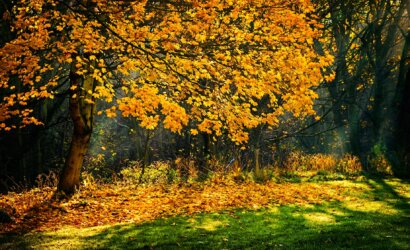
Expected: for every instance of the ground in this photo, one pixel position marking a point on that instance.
(366, 213)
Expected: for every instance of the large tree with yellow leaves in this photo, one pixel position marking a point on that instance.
(209, 63)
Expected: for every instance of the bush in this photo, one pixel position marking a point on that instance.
(378, 160)
(47, 180)
(186, 169)
(295, 161)
(299, 161)
(88, 180)
(321, 162)
(263, 175)
(99, 167)
(155, 173)
(325, 164)
(349, 164)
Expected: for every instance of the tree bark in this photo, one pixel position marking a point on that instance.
(205, 154)
(70, 177)
(81, 108)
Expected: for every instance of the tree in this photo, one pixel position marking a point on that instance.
(369, 43)
(206, 64)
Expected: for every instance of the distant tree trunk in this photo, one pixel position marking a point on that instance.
(257, 165)
(342, 79)
(384, 33)
(23, 165)
(401, 140)
(205, 155)
(81, 108)
(403, 97)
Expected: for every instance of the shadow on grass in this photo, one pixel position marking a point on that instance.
(383, 223)
(385, 192)
(269, 230)
(11, 241)
(378, 219)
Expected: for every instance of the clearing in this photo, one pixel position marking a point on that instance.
(366, 214)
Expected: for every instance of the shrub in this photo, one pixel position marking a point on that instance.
(186, 169)
(378, 160)
(47, 180)
(155, 173)
(88, 180)
(264, 174)
(349, 164)
(99, 166)
(321, 162)
(297, 162)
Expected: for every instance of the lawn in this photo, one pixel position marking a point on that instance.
(373, 214)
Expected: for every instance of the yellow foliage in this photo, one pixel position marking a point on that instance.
(298, 161)
(207, 63)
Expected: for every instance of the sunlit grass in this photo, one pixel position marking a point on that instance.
(374, 215)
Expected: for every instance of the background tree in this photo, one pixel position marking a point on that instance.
(371, 61)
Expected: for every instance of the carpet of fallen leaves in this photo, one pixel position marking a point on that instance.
(38, 210)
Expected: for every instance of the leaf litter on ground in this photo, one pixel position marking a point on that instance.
(39, 210)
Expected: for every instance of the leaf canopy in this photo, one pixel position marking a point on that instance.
(219, 66)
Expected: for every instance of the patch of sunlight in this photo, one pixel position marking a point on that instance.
(349, 184)
(370, 206)
(59, 243)
(402, 188)
(272, 210)
(308, 206)
(65, 238)
(319, 218)
(193, 221)
(83, 232)
(208, 224)
(396, 181)
(335, 212)
(274, 223)
(271, 214)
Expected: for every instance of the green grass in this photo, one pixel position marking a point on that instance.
(374, 215)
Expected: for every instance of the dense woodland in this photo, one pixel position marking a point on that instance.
(99, 86)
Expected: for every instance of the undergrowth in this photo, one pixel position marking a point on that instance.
(297, 167)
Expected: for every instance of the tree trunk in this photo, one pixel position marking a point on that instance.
(70, 177)
(402, 98)
(81, 108)
(205, 153)
(341, 81)
(402, 139)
